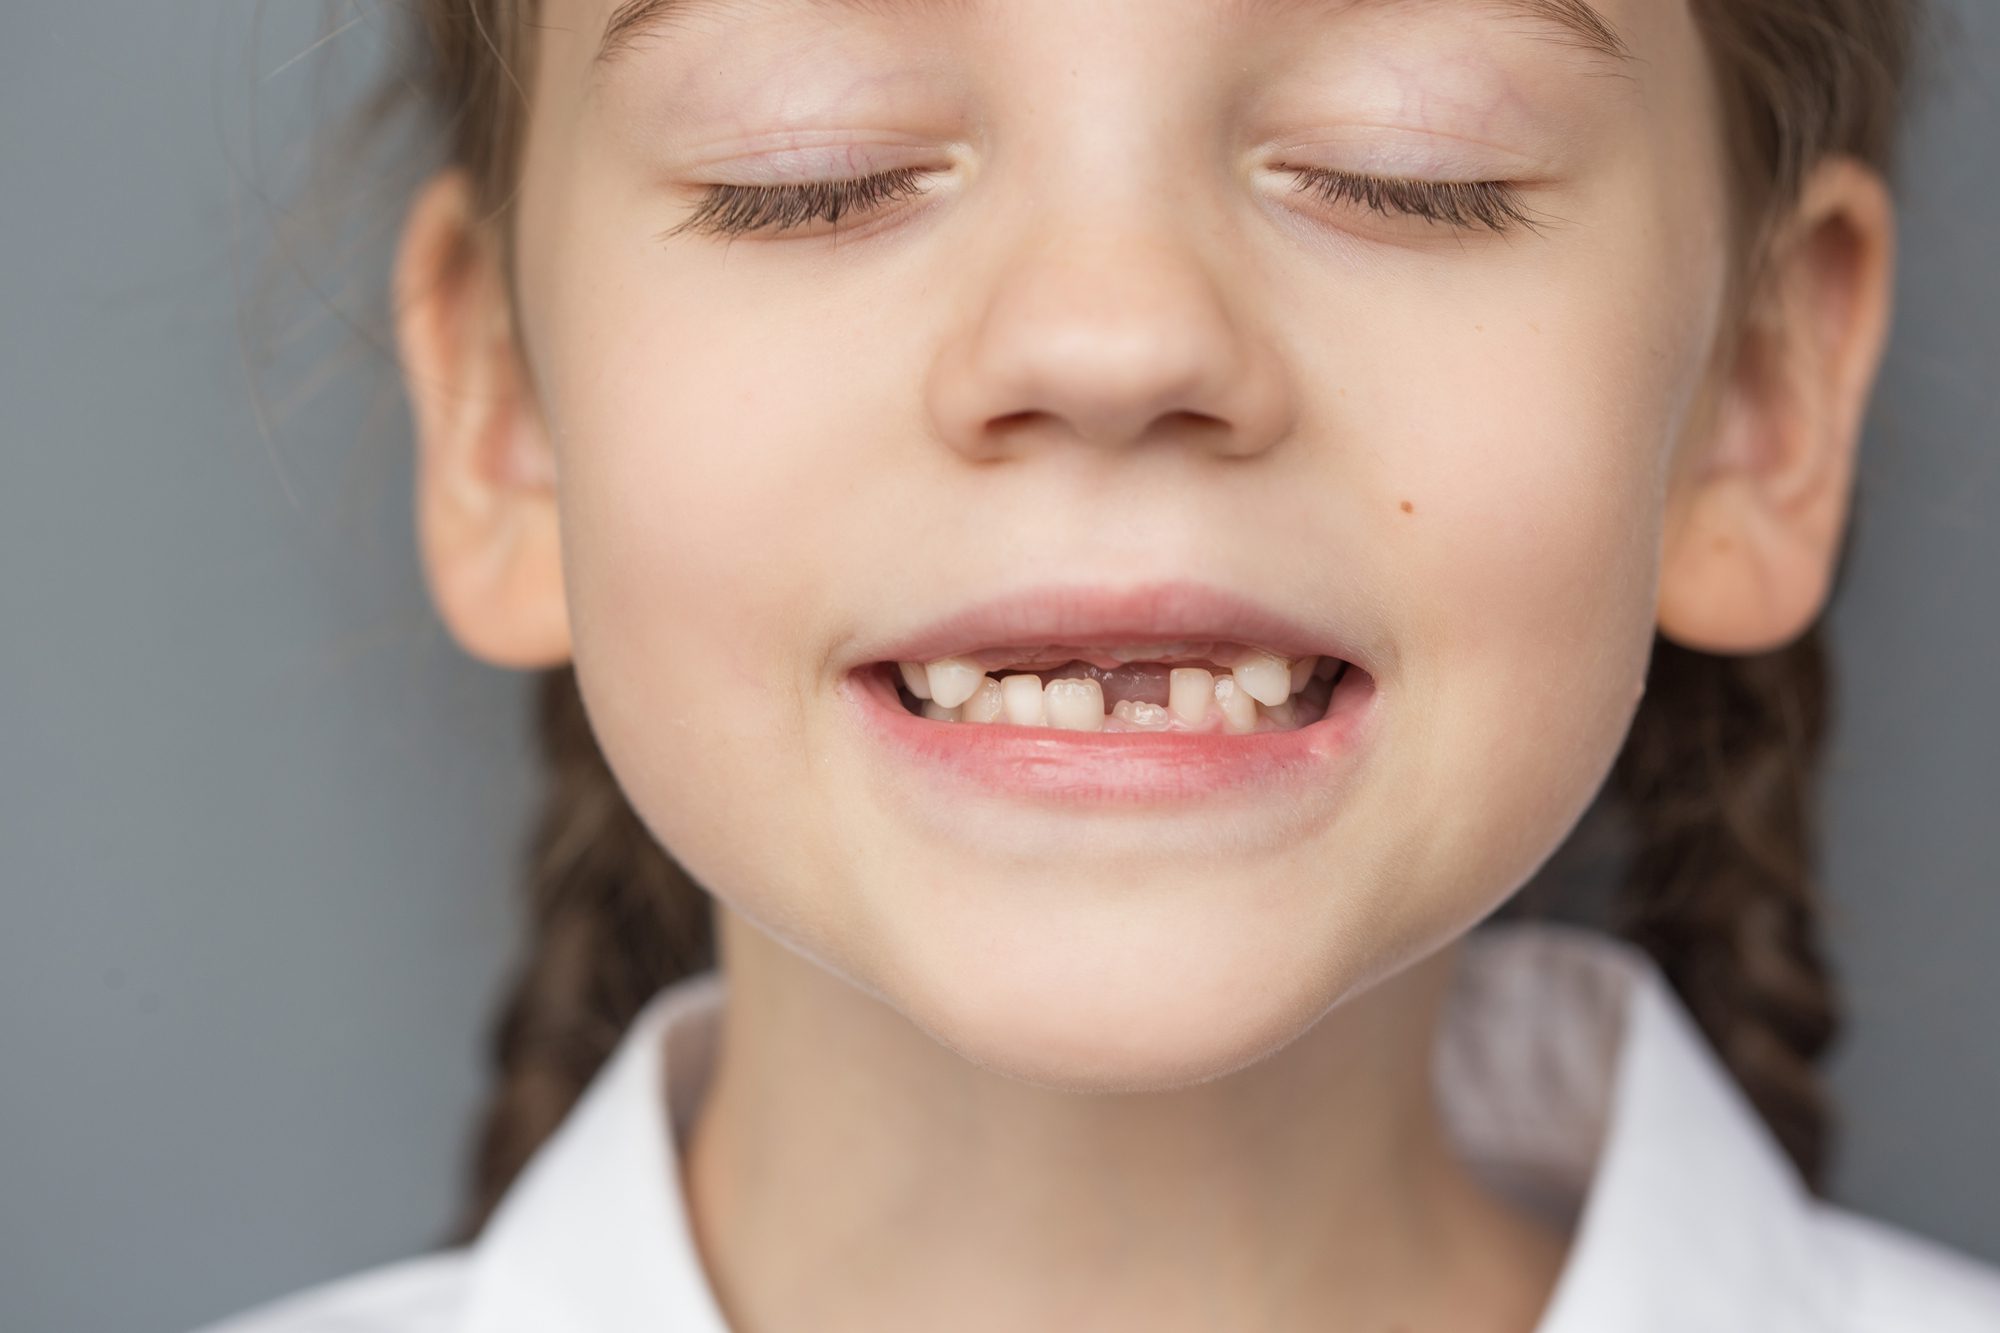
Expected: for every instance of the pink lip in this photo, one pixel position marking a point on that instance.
(1078, 616)
(1099, 769)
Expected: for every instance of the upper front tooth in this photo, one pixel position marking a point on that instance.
(953, 680)
(1265, 678)
(1302, 672)
(1075, 704)
(916, 678)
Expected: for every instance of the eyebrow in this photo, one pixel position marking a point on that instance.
(1582, 25)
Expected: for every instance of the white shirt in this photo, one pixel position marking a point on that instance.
(1569, 1075)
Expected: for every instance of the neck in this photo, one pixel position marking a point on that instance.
(846, 1171)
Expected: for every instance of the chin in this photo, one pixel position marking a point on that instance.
(1123, 995)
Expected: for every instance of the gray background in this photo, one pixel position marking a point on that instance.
(258, 815)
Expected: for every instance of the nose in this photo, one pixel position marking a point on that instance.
(1108, 338)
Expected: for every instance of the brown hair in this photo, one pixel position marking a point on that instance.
(1717, 781)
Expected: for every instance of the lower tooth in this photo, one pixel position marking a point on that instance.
(1189, 693)
(1021, 701)
(1075, 704)
(1286, 714)
(1144, 716)
(937, 712)
(1239, 710)
(988, 703)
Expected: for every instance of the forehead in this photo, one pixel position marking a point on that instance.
(1576, 23)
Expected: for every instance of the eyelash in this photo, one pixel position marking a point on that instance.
(1494, 205)
(731, 210)
(734, 210)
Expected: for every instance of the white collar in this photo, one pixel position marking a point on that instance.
(1568, 1073)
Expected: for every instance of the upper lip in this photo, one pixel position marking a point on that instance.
(1085, 616)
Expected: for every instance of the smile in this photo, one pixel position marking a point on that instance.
(1236, 689)
(1158, 695)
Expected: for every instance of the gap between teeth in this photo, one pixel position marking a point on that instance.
(957, 689)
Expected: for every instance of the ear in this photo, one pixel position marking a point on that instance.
(1754, 525)
(485, 476)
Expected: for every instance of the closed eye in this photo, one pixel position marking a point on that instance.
(735, 210)
(1493, 205)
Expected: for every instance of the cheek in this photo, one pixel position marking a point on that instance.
(699, 502)
(1527, 434)
(1533, 483)
(685, 526)
(1538, 550)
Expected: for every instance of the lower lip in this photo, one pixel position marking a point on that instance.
(1110, 769)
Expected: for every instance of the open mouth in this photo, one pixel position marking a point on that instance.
(1224, 688)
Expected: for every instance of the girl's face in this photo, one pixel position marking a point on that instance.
(1099, 340)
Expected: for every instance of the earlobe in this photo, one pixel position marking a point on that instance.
(1754, 526)
(488, 530)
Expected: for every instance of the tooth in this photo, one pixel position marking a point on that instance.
(1302, 671)
(937, 712)
(954, 680)
(1326, 668)
(1189, 690)
(1147, 717)
(1075, 704)
(1239, 709)
(987, 704)
(1021, 701)
(1286, 714)
(914, 677)
(1265, 678)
